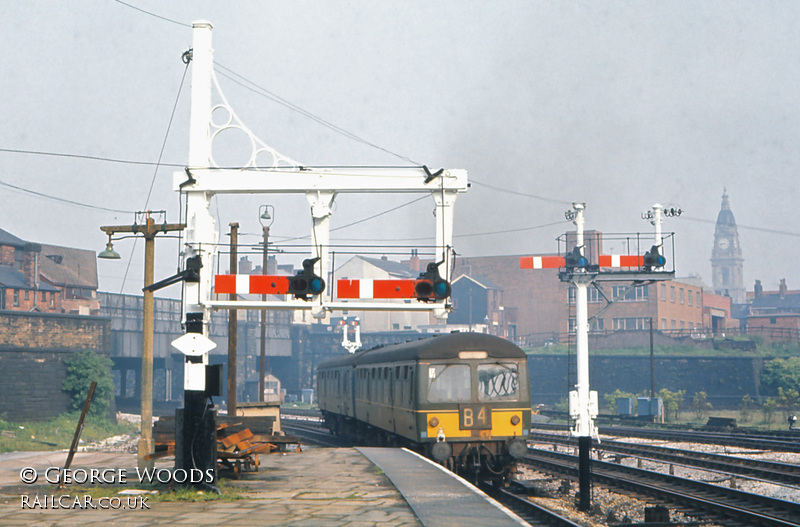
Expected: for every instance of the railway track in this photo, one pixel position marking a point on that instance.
(309, 429)
(775, 443)
(696, 498)
(533, 514)
(769, 471)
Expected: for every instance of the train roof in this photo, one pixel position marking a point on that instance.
(446, 346)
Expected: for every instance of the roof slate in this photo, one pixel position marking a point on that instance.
(6, 238)
(391, 267)
(13, 279)
(77, 267)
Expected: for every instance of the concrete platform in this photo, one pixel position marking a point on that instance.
(317, 487)
(437, 496)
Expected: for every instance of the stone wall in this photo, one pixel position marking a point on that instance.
(33, 348)
(725, 380)
(53, 332)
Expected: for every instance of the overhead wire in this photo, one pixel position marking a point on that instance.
(90, 157)
(182, 24)
(152, 183)
(260, 90)
(63, 200)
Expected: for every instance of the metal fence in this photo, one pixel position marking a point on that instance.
(788, 335)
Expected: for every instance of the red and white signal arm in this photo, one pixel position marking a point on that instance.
(620, 260)
(541, 262)
(373, 288)
(604, 260)
(251, 284)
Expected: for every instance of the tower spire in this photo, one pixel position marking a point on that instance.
(726, 256)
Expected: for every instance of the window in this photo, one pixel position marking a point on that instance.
(663, 292)
(672, 294)
(663, 323)
(28, 295)
(16, 297)
(52, 300)
(698, 298)
(680, 295)
(498, 382)
(595, 324)
(689, 296)
(639, 293)
(448, 383)
(631, 323)
(593, 296)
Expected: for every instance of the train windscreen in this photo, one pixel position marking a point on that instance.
(498, 382)
(448, 383)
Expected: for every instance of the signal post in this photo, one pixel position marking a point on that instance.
(275, 173)
(578, 271)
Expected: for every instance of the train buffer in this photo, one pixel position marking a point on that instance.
(437, 496)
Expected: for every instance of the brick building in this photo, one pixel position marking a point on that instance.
(21, 286)
(774, 314)
(539, 308)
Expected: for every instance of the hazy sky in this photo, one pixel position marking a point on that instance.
(618, 104)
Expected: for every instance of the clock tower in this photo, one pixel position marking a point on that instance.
(726, 257)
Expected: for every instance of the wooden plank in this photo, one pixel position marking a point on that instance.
(235, 438)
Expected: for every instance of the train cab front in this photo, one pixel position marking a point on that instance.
(477, 412)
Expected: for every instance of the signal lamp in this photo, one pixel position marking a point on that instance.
(306, 282)
(431, 286)
(575, 258)
(653, 259)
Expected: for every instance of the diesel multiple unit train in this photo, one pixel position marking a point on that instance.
(460, 398)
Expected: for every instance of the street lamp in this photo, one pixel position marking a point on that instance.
(266, 219)
(144, 224)
(109, 253)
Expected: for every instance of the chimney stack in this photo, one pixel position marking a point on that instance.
(413, 263)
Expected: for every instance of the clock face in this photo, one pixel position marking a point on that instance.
(722, 244)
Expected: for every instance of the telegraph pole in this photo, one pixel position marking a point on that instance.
(149, 229)
(233, 325)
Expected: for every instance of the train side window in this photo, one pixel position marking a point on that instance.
(498, 382)
(410, 387)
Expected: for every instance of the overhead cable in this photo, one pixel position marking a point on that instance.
(153, 14)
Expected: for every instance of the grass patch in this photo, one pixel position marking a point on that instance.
(57, 433)
(162, 493)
